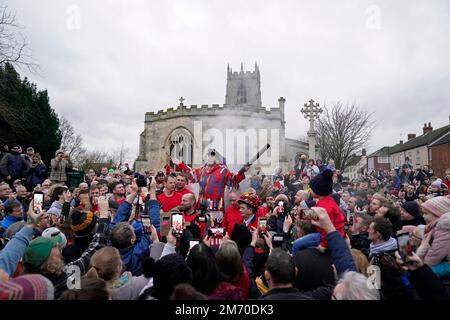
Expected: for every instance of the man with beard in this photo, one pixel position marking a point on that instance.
(43, 255)
(13, 166)
(233, 214)
(180, 184)
(118, 196)
(195, 222)
(410, 194)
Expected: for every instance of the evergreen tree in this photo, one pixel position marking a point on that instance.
(26, 116)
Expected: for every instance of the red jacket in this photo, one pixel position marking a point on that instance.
(337, 217)
(231, 217)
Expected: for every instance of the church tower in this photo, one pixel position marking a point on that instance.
(243, 88)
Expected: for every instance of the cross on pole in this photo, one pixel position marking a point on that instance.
(181, 100)
(311, 112)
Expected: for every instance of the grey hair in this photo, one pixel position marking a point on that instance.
(354, 286)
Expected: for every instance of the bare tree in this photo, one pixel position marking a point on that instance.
(13, 45)
(120, 154)
(71, 142)
(342, 132)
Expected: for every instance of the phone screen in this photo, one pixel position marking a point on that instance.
(146, 220)
(193, 243)
(404, 247)
(262, 224)
(38, 202)
(177, 223)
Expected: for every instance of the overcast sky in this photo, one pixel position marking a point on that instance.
(116, 60)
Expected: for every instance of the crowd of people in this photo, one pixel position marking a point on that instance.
(306, 234)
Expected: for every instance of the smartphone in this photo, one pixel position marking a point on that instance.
(192, 244)
(404, 246)
(38, 202)
(177, 223)
(277, 240)
(308, 214)
(262, 225)
(146, 220)
(165, 223)
(216, 235)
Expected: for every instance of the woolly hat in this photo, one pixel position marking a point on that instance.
(412, 207)
(55, 233)
(322, 184)
(83, 222)
(58, 152)
(437, 183)
(437, 206)
(27, 287)
(38, 251)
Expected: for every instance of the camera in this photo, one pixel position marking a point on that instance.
(141, 181)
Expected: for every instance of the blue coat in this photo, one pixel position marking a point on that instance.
(37, 175)
(133, 256)
(14, 165)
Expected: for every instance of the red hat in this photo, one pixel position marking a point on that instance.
(250, 199)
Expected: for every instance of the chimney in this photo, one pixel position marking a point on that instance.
(426, 128)
(411, 136)
(363, 152)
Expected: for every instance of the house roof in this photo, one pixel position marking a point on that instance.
(354, 160)
(422, 140)
(441, 140)
(383, 152)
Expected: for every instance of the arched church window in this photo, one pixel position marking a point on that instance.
(242, 93)
(181, 147)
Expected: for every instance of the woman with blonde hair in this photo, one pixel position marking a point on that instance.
(361, 261)
(106, 264)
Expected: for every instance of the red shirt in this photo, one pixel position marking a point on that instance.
(184, 191)
(231, 217)
(168, 203)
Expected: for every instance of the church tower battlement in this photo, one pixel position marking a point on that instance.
(243, 88)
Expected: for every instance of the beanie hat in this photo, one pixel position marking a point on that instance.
(437, 205)
(412, 207)
(437, 183)
(57, 234)
(27, 287)
(322, 184)
(58, 152)
(111, 171)
(82, 222)
(38, 251)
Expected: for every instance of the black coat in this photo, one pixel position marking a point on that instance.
(361, 242)
(285, 294)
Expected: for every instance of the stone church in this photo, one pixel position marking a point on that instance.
(237, 130)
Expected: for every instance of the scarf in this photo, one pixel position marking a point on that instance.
(389, 245)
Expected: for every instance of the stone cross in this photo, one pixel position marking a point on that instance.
(181, 100)
(311, 112)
